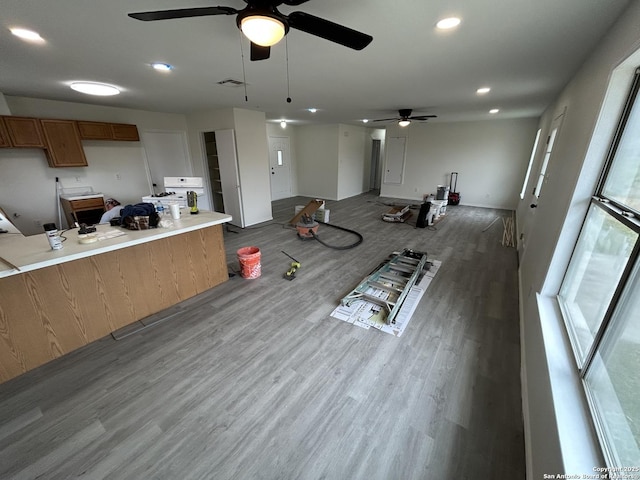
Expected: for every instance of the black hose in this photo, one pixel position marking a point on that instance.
(343, 247)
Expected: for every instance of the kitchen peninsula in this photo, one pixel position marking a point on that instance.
(55, 301)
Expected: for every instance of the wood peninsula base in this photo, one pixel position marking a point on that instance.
(53, 310)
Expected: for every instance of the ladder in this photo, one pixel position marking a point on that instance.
(390, 283)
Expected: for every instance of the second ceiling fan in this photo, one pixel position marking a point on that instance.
(264, 25)
(405, 118)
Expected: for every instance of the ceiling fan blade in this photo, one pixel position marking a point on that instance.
(182, 13)
(422, 117)
(294, 2)
(385, 119)
(329, 31)
(259, 52)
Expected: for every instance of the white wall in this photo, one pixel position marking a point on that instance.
(558, 437)
(332, 161)
(28, 184)
(351, 161)
(490, 156)
(4, 107)
(317, 161)
(253, 160)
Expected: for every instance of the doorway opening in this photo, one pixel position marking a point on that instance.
(374, 174)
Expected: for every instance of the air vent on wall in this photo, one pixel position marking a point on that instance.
(230, 82)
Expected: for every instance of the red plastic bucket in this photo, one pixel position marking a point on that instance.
(249, 259)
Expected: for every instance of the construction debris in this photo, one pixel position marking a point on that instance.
(508, 235)
(309, 211)
(397, 215)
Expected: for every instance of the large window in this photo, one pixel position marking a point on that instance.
(600, 295)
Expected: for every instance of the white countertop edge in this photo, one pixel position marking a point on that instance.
(124, 242)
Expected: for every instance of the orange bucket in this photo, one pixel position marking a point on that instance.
(249, 259)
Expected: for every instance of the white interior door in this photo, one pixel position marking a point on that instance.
(230, 176)
(394, 165)
(280, 164)
(167, 156)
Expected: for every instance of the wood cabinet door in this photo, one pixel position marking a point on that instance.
(123, 131)
(95, 131)
(24, 132)
(63, 143)
(4, 135)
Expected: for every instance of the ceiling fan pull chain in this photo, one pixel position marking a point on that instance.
(244, 75)
(286, 48)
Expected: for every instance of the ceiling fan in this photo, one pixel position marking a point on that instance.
(404, 118)
(264, 25)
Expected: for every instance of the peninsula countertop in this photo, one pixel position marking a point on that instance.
(19, 254)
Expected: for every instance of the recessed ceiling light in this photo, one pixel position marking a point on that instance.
(93, 88)
(494, 110)
(365, 120)
(483, 90)
(162, 67)
(448, 23)
(28, 35)
(312, 110)
(283, 123)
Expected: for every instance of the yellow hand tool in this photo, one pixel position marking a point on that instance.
(295, 265)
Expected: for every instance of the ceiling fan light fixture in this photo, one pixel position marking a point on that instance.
(405, 122)
(283, 123)
(263, 30)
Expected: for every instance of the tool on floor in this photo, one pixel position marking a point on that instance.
(295, 265)
(307, 227)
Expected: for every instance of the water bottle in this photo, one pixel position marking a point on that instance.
(51, 231)
(159, 208)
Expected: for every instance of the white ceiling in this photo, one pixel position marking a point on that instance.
(525, 50)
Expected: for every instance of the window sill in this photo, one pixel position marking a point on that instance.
(580, 449)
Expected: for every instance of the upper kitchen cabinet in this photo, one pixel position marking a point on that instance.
(123, 131)
(4, 135)
(63, 147)
(94, 130)
(108, 131)
(23, 132)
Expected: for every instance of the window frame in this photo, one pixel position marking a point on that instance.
(630, 218)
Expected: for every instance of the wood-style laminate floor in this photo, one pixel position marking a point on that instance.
(254, 380)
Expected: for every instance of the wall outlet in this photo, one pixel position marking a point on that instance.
(118, 176)
(37, 223)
